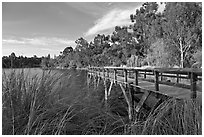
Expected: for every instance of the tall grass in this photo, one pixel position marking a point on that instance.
(172, 117)
(47, 104)
(34, 105)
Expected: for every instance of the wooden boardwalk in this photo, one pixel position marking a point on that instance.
(138, 89)
(172, 91)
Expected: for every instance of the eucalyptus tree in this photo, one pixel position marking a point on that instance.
(81, 55)
(143, 19)
(182, 29)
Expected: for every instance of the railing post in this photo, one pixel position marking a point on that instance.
(108, 73)
(193, 85)
(145, 76)
(115, 76)
(161, 76)
(125, 76)
(136, 77)
(156, 80)
(177, 78)
(104, 76)
(131, 89)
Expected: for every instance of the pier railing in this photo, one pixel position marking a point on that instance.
(157, 75)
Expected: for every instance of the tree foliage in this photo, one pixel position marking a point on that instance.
(182, 29)
(164, 39)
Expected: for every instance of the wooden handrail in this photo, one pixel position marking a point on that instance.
(198, 72)
(191, 73)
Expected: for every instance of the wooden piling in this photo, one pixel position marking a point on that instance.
(142, 101)
(193, 85)
(95, 81)
(161, 76)
(106, 93)
(177, 78)
(88, 79)
(128, 102)
(126, 78)
(136, 77)
(99, 78)
(104, 75)
(107, 73)
(109, 91)
(115, 76)
(131, 92)
(156, 80)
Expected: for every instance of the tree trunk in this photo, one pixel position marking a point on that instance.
(181, 50)
(182, 60)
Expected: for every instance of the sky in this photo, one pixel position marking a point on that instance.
(42, 28)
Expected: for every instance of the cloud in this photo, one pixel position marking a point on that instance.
(11, 41)
(115, 17)
(43, 41)
(40, 46)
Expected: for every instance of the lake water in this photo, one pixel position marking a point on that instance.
(71, 83)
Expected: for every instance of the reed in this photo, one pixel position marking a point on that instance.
(172, 117)
(34, 105)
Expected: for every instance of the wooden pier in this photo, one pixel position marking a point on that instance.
(149, 82)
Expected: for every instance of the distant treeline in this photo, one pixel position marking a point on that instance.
(12, 61)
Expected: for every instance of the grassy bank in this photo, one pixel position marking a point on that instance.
(51, 103)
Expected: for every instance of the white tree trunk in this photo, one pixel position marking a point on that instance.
(181, 52)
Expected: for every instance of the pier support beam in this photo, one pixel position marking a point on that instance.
(115, 76)
(106, 94)
(193, 85)
(131, 93)
(161, 76)
(109, 91)
(136, 77)
(142, 100)
(104, 75)
(156, 80)
(99, 78)
(177, 78)
(126, 78)
(128, 100)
